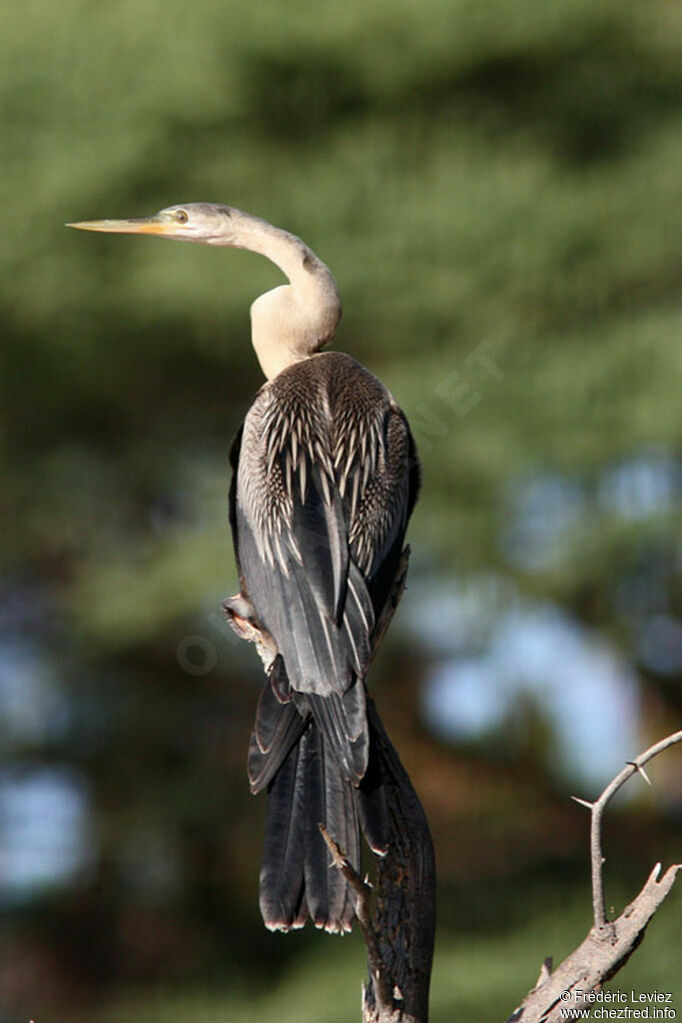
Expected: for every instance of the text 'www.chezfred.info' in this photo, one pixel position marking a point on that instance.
(612, 1004)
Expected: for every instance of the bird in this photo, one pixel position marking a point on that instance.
(325, 478)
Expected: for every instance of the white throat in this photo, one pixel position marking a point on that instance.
(295, 320)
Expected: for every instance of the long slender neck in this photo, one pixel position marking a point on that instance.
(295, 320)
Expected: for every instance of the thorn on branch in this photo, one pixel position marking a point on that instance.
(583, 802)
(363, 891)
(545, 971)
(341, 862)
(639, 770)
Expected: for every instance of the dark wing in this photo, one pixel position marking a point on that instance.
(306, 591)
(278, 726)
(378, 527)
(324, 490)
(311, 598)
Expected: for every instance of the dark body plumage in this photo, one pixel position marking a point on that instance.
(325, 478)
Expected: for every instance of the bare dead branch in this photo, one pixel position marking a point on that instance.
(609, 944)
(598, 807)
(363, 911)
(405, 906)
(399, 935)
(404, 922)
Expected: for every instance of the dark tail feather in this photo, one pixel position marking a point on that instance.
(342, 720)
(325, 768)
(371, 797)
(297, 877)
(330, 800)
(277, 728)
(282, 901)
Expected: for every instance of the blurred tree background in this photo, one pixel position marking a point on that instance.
(498, 190)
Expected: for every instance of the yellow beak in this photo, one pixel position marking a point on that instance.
(156, 224)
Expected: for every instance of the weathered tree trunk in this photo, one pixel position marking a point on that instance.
(405, 908)
(398, 914)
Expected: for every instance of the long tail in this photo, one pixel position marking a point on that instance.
(296, 878)
(308, 784)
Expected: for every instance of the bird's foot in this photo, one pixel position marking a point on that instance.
(241, 617)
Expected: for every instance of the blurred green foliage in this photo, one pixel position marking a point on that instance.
(496, 174)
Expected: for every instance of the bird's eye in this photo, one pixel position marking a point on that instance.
(181, 216)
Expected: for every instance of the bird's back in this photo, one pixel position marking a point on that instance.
(331, 414)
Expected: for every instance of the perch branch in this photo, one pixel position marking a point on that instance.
(400, 934)
(609, 944)
(597, 811)
(363, 893)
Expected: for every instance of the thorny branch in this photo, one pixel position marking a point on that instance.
(363, 891)
(597, 812)
(609, 944)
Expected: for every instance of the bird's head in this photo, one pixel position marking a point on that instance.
(288, 323)
(207, 223)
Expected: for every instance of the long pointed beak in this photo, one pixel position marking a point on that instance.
(135, 225)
